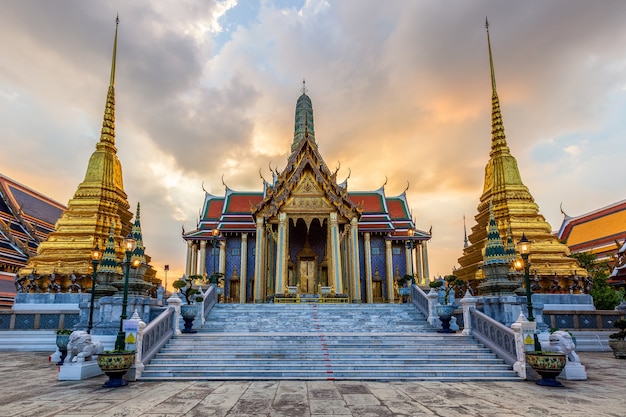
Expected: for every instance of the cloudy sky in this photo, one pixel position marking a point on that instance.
(400, 90)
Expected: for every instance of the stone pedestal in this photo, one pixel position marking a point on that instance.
(77, 371)
(574, 371)
(107, 312)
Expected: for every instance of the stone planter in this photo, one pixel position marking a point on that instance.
(189, 313)
(548, 365)
(62, 341)
(619, 348)
(445, 312)
(115, 365)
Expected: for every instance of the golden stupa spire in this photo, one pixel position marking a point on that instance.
(99, 202)
(513, 206)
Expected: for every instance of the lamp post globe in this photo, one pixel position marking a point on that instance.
(129, 245)
(95, 260)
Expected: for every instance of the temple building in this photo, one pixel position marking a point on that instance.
(306, 234)
(99, 206)
(601, 232)
(27, 217)
(516, 213)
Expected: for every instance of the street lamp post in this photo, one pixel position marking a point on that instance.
(523, 247)
(95, 259)
(129, 245)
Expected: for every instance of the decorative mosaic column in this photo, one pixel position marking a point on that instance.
(418, 261)
(188, 263)
(335, 253)
(281, 250)
(425, 260)
(194, 259)
(202, 269)
(368, 267)
(356, 270)
(389, 270)
(243, 280)
(259, 283)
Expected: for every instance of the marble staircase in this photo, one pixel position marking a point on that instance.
(323, 342)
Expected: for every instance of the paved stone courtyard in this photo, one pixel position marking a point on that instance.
(30, 388)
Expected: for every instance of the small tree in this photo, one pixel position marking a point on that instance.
(185, 286)
(604, 296)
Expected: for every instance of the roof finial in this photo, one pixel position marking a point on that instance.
(304, 90)
(493, 76)
(117, 22)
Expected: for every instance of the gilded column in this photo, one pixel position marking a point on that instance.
(356, 267)
(243, 280)
(389, 268)
(194, 259)
(203, 258)
(281, 258)
(418, 260)
(335, 250)
(425, 260)
(188, 263)
(259, 267)
(368, 267)
(408, 256)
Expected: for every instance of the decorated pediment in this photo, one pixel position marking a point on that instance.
(306, 185)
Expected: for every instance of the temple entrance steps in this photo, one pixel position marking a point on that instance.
(323, 342)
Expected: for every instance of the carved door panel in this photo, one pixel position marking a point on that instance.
(307, 275)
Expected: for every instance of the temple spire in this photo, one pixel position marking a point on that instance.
(138, 253)
(107, 134)
(509, 202)
(304, 126)
(493, 74)
(112, 81)
(465, 239)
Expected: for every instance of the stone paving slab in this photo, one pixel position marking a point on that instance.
(30, 388)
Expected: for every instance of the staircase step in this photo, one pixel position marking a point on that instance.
(321, 342)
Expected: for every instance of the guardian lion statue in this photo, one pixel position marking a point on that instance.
(80, 348)
(561, 341)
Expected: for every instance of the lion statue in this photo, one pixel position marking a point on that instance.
(561, 341)
(80, 348)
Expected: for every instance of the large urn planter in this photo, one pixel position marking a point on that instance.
(115, 364)
(189, 313)
(445, 312)
(62, 339)
(548, 365)
(619, 348)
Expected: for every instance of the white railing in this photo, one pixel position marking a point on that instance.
(210, 299)
(419, 299)
(493, 334)
(156, 334)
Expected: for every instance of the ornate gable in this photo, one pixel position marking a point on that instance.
(306, 185)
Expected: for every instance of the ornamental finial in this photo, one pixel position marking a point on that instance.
(304, 90)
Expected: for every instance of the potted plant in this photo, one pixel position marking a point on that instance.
(62, 339)
(189, 311)
(617, 340)
(548, 365)
(115, 363)
(445, 310)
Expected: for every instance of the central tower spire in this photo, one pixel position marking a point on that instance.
(304, 119)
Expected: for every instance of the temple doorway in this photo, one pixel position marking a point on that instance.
(307, 274)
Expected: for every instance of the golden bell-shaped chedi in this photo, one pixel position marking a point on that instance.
(99, 203)
(515, 209)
